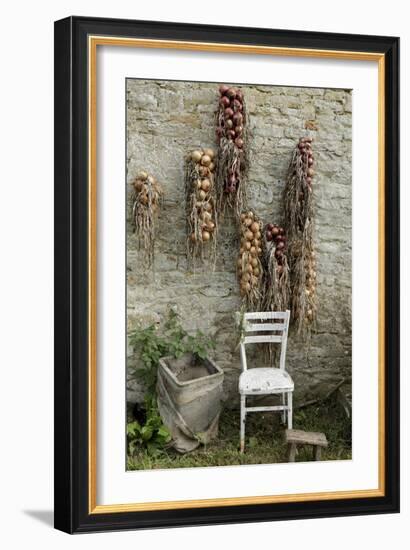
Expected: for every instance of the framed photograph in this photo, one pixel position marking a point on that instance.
(226, 274)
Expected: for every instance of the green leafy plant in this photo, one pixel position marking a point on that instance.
(172, 339)
(151, 344)
(153, 435)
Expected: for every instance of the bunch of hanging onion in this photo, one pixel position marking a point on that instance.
(231, 137)
(299, 222)
(146, 201)
(200, 200)
(249, 266)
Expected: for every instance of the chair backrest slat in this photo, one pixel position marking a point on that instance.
(264, 327)
(274, 333)
(266, 338)
(266, 315)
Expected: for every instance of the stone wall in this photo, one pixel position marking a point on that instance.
(168, 119)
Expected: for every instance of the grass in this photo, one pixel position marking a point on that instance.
(264, 441)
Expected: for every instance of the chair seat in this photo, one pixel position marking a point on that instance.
(263, 381)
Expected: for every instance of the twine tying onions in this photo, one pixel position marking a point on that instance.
(200, 196)
(249, 267)
(299, 216)
(232, 157)
(146, 201)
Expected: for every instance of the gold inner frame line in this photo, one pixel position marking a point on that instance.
(93, 42)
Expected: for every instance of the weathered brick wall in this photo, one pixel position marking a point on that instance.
(168, 119)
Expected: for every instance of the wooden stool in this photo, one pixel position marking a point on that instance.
(298, 437)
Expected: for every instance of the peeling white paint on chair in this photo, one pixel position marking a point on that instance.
(262, 380)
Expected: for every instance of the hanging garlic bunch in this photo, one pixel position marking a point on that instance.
(299, 216)
(146, 202)
(232, 157)
(249, 266)
(200, 196)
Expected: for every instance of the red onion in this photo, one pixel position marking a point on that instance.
(224, 101)
(231, 93)
(269, 235)
(237, 118)
(237, 105)
(239, 142)
(223, 88)
(238, 130)
(228, 112)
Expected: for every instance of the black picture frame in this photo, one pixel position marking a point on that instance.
(71, 493)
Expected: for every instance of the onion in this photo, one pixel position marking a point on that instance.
(248, 222)
(228, 112)
(206, 235)
(255, 227)
(256, 243)
(209, 152)
(253, 251)
(138, 185)
(210, 226)
(243, 216)
(223, 88)
(206, 184)
(258, 235)
(239, 142)
(208, 206)
(249, 235)
(268, 235)
(254, 262)
(280, 245)
(201, 194)
(249, 268)
(256, 271)
(224, 101)
(198, 184)
(237, 105)
(196, 156)
(230, 134)
(212, 166)
(142, 175)
(206, 160)
(310, 161)
(193, 237)
(248, 245)
(229, 124)
(231, 93)
(250, 214)
(238, 130)
(237, 118)
(310, 172)
(275, 231)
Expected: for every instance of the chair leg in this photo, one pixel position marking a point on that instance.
(284, 410)
(242, 421)
(290, 411)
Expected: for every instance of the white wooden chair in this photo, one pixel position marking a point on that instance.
(265, 327)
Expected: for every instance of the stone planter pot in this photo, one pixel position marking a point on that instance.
(190, 399)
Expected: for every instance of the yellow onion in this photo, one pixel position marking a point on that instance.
(248, 245)
(206, 184)
(249, 235)
(201, 194)
(142, 175)
(209, 152)
(206, 235)
(138, 185)
(206, 160)
(196, 156)
(255, 227)
(212, 166)
(253, 250)
(256, 272)
(254, 262)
